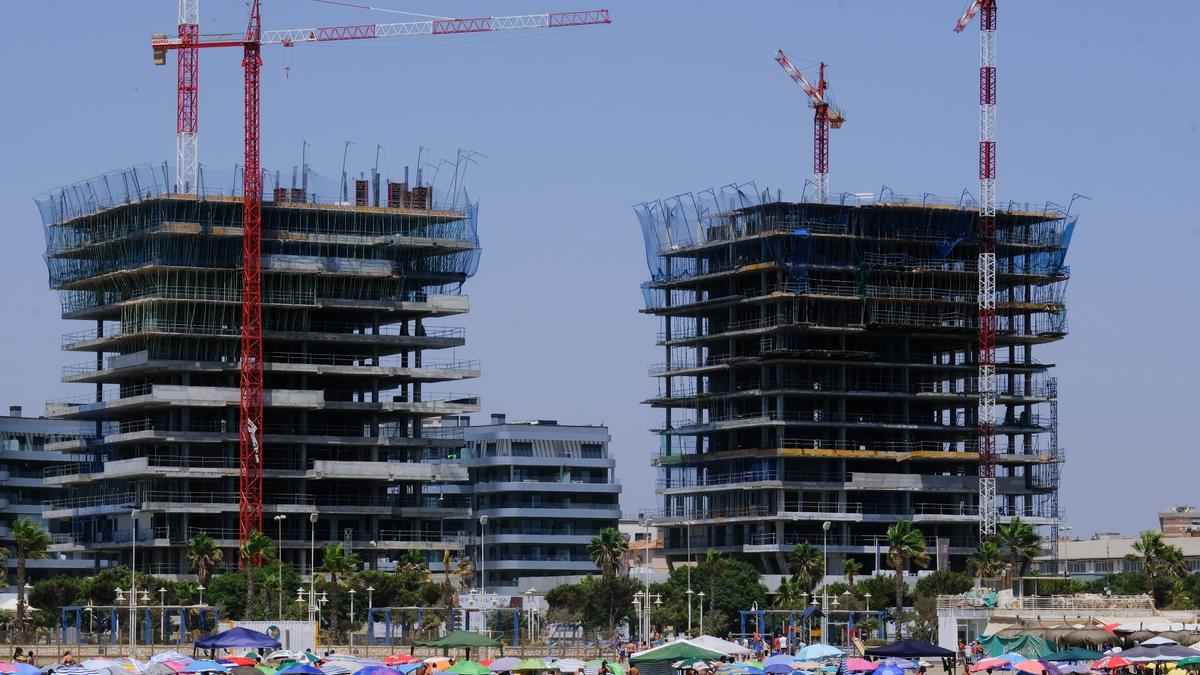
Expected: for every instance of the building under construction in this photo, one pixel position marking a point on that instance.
(821, 366)
(354, 279)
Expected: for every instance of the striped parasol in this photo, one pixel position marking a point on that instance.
(75, 670)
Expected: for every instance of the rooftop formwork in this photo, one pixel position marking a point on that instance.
(349, 294)
(820, 365)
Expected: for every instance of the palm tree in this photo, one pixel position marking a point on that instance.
(906, 544)
(337, 561)
(608, 549)
(253, 551)
(1159, 559)
(850, 569)
(1021, 541)
(33, 543)
(807, 565)
(203, 557)
(987, 561)
(788, 595)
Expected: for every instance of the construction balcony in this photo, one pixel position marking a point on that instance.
(142, 399)
(219, 502)
(845, 511)
(957, 425)
(164, 537)
(81, 304)
(274, 466)
(954, 393)
(156, 432)
(853, 481)
(386, 340)
(961, 452)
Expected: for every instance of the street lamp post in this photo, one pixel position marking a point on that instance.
(279, 558)
(645, 523)
(370, 613)
(352, 594)
(824, 586)
(201, 589)
(867, 597)
(133, 584)
(483, 521)
(312, 564)
(162, 608)
(689, 576)
(701, 596)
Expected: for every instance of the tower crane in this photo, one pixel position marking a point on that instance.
(824, 117)
(188, 44)
(986, 9)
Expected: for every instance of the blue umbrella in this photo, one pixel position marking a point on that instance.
(308, 670)
(888, 669)
(200, 667)
(779, 668)
(26, 669)
(784, 659)
(74, 670)
(818, 651)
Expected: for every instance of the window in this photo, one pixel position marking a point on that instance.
(491, 450)
(522, 449)
(1102, 566)
(1133, 565)
(592, 450)
(1076, 567)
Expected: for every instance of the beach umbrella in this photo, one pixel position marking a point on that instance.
(889, 669)
(205, 667)
(1190, 661)
(736, 669)
(469, 668)
(74, 670)
(26, 669)
(304, 670)
(779, 669)
(6, 667)
(399, 658)
(1035, 667)
(238, 660)
(1073, 669)
(1013, 657)
(859, 665)
(244, 670)
(335, 668)
(376, 670)
(51, 668)
(529, 664)
(569, 665)
(993, 663)
(593, 667)
(1111, 662)
(503, 664)
(818, 651)
(99, 664)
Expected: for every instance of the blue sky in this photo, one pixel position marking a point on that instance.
(1098, 98)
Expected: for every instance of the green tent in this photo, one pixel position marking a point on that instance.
(459, 638)
(674, 651)
(1074, 654)
(1029, 646)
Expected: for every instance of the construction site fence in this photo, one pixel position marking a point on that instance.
(447, 184)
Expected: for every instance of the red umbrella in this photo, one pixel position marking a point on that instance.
(239, 660)
(1111, 662)
(399, 658)
(1032, 666)
(988, 664)
(860, 665)
(1111, 627)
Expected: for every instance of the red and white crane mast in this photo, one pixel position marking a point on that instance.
(824, 117)
(986, 9)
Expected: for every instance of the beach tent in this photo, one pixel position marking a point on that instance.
(238, 637)
(1029, 646)
(1076, 654)
(674, 651)
(910, 648)
(716, 644)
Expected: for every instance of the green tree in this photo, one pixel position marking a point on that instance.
(51, 595)
(1160, 561)
(807, 565)
(3, 567)
(594, 603)
(851, 568)
(608, 549)
(337, 562)
(943, 582)
(256, 549)
(882, 590)
(730, 586)
(987, 561)
(1020, 540)
(33, 543)
(788, 595)
(906, 545)
(203, 557)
